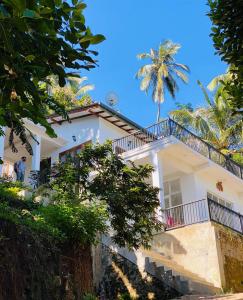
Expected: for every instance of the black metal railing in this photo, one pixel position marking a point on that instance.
(170, 127)
(186, 214)
(141, 137)
(225, 216)
(201, 211)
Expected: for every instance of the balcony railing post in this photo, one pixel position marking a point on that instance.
(241, 223)
(209, 152)
(209, 210)
(170, 126)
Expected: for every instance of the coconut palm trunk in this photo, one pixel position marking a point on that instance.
(158, 112)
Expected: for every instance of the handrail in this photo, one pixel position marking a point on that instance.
(200, 211)
(205, 142)
(170, 127)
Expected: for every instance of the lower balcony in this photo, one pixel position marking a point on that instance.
(202, 211)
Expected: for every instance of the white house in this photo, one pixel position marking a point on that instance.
(199, 189)
(94, 123)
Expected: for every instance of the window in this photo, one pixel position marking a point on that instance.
(173, 197)
(72, 152)
(172, 193)
(220, 200)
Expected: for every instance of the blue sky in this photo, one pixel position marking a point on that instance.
(134, 26)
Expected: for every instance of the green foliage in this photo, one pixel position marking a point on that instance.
(160, 74)
(89, 297)
(215, 122)
(10, 189)
(39, 39)
(26, 218)
(125, 297)
(226, 16)
(79, 223)
(73, 94)
(238, 157)
(100, 176)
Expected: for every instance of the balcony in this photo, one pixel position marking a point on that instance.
(202, 211)
(168, 128)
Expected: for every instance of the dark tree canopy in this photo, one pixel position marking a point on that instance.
(227, 34)
(39, 38)
(100, 176)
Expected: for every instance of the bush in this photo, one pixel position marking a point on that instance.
(78, 223)
(89, 297)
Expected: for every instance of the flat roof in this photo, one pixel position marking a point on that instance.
(100, 110)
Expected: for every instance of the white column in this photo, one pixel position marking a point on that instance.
(36, 157)
(2, 139)
(157, 178)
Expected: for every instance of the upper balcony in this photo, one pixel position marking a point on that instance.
(168, 128)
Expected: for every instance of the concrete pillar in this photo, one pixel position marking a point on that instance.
(36, 157)
(2, 139)
(157, 178)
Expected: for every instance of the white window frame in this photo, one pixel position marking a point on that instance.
(172, 193)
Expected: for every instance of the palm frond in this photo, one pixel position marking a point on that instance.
(144, 70)
(204, 92)
(216, 81)
(181, 75)
(84, 89)
(171, 85)
(145, 83)
(182, 116)
(143, 55)
(182, 66)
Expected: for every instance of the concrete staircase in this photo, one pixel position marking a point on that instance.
(176, 276)
(171, 274)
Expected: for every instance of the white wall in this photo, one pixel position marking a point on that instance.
(205, 182)
(108, 131)
(188, 188)
(84, 129)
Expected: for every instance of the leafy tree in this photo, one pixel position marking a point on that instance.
(100, 176)
(187, 106)
(39, 39)
(160, 73)
(227, 34)
(214, 123)
(73, 94)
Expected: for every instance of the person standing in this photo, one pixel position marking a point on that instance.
(19, 168)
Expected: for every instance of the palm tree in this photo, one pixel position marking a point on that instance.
(161, 72)
(215, 122)
(74, 93)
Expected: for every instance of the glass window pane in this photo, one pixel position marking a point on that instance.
(167, 202)
(175, 185)
(166, 188)
(176, 199)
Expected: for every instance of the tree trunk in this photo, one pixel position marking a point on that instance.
(158, 112)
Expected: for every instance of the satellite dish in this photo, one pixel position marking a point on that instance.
(111, 99)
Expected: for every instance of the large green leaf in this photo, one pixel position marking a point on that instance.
(28, 13)
(94, 39)
(43, 39)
